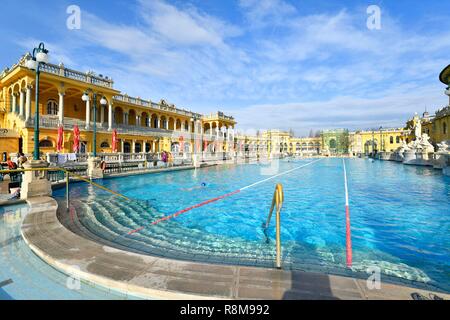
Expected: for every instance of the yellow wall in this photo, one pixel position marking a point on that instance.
(362, 141)
(8, 145)
(438, 134)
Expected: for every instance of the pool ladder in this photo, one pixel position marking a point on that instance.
(277, 203)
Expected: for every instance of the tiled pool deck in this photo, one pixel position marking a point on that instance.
(160, 278)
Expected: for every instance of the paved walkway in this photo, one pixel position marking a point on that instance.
(153, 277)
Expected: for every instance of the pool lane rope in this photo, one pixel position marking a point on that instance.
(220, 197)
(348, 234)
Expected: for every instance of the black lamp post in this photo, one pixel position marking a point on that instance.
(39, 57)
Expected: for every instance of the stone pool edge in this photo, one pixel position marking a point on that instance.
(161, 278)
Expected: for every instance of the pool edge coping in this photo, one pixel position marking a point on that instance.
(155, 293)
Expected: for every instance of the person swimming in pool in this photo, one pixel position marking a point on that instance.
(202, 185)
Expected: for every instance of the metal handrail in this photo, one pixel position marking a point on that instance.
(277, 203)
(68, 174)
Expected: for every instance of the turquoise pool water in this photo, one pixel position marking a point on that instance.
(400, 217)
(24, 276)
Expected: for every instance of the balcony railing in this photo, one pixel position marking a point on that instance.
(52, 122)
(219, 115)
(60, 70)
(154, 105)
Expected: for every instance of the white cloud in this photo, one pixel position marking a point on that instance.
(302, 67)
(189, 27)
(390, 110)
(263, 13)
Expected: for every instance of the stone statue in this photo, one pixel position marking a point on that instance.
(418, 128)
(444, 146)
(404, 146)
(425, 144)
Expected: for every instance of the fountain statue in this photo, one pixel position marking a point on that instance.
(420, 148)
(417, 127)
(442, 156)
(400, 150)
(444, 146)
(425, 144)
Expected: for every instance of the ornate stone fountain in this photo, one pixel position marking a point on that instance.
(419, 151)
(442, 157)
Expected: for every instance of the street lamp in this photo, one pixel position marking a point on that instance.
(39, 57)
(103, 102)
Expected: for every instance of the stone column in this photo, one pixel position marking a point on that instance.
(158, 122)
(35, 183)
(61, 107)
(102, 114)
(110, 116)
(28, 104)
(138, 121)
(88, 113)
(122, 147)
(217, 130)
(125, 118)
(22, 104)
(153, 146)
(14, 103)
(182, 126)
(144, 146)
(94, 171)
(133, 146)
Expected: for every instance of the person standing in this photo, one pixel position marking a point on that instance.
(21, 159)
(164, 158)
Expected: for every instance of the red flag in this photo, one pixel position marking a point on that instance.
(60, 139)
(76, 139)
(114, 141)
(181, 139)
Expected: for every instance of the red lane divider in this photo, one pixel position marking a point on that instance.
(186, 209)
(348, 233)
(221, 197)
(348, 237)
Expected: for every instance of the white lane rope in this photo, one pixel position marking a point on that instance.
(279, 174)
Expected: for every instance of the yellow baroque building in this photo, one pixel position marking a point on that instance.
(142, 125)
(278, 141)
(373, 141)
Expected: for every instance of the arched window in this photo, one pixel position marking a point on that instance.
(45, 144)
(104, 145)
(444, 128)
(391, 139)
(333, 144)
(397, 139)
(137, 147)
(126, 147)
(52, 107)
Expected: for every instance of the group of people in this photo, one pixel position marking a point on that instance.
(13, 165)
(21, 159)
(18, 164)
(167, 158)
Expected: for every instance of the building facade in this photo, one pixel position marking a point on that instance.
(372, 141)
(142, 125)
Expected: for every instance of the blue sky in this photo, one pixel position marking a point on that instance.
(300, 64)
